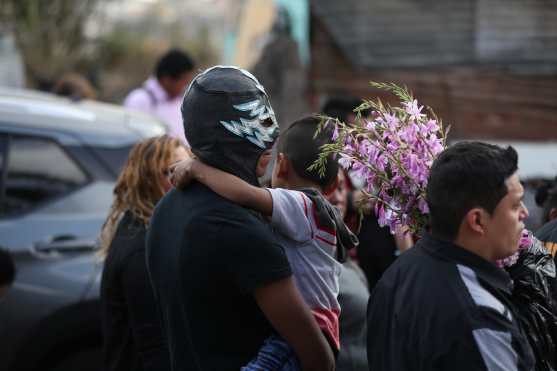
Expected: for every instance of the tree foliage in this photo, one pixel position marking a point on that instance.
(49, 33)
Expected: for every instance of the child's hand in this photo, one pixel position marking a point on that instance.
(403, 238)
(182, 173)
(361, 201)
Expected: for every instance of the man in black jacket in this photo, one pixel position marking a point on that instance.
(444, 305)
(222, 282)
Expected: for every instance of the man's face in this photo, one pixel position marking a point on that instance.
(504, 227)
(176, 87)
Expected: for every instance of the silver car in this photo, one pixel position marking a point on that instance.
(59, 161)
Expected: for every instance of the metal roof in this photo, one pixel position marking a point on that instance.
(521, 34)
(94, 123)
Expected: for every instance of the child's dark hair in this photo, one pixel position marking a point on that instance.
(7, 268)
(300, 145)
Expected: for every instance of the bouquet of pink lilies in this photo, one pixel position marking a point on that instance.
(392, 150)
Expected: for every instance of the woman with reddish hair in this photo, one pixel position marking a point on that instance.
(131, 326)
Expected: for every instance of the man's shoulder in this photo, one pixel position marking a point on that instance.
(440, 285)
(138, 97)
(203, 206)
(415, 259)
(420, 275)
(420, 286)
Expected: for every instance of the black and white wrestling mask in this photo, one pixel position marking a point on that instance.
(228, 120)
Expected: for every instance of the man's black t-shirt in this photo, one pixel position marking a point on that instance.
(206, 256)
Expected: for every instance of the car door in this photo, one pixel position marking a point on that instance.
(51, 210)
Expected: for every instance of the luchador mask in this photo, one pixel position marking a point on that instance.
(228, 120)
(258, 125)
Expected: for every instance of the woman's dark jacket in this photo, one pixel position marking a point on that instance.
(130, 318)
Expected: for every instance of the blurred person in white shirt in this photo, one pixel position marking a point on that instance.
(161, 94)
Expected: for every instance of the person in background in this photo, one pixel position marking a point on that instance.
(378, 247)
(546, 198)
(353, 298)
(7, 272)
(161, 95)
(75, 87)
(342, 108)
(444, 304)
(130, 320)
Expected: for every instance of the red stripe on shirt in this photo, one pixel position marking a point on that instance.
(327, 319)
(305, 204)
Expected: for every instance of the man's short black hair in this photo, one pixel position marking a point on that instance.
(300, 145)
(174, 64)
(7, 268)
(464, 176)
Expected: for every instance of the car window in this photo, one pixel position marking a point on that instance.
(113, 158)
(37, 170)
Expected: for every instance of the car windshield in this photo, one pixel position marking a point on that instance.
(113, 158)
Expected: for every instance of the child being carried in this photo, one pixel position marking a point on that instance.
(309, 228)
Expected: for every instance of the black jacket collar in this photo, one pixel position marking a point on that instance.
(485, 270)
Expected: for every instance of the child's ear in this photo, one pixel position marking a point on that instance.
(283, 166)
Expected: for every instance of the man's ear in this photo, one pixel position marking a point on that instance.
(331, 187)
(475, 220)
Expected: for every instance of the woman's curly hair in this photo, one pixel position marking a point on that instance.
(140, 184)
